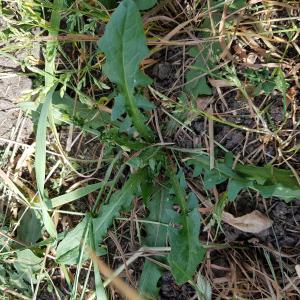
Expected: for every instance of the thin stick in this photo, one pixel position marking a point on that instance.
(13, 293)
(211, 140)
(158, 127)
(124, 289)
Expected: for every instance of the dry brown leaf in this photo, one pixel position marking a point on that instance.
(253, 222)
(220, 83)
(260, 51)
(292, 93)
(251, 58)
(202, 102)
(240, 52)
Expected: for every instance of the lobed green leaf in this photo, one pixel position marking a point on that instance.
(186, 250)
(151, 273)
(124, 44)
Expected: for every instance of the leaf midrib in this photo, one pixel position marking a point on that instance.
(135, 114)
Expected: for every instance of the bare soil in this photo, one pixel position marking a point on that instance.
(12, 86)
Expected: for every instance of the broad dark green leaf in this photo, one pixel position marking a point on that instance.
(235, 185)
(83, 115)
(118, 109)
(197, 86)
(141, 4)
(144, 103)
(192, 201)
(206, 58)
(161, 211)
(114, 136)
(145, 157)
(19, 283)
(278, 190)
(237, 4)
(145, 4)
(109, 3)
(28, 265)
(186, 250)
(262, 174)
(119, 200)
(212, 178)
(30, 229)
(111, 210)
(219, 207)
(282, 86)
(197, 170)
(124, 44)
(148, 283)
(69, 248)
(181, 178)
(180, 195)
(126, 125)
(268, 180)
(268, 87)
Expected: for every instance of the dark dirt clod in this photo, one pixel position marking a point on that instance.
(167, 71)
(162, 71)
(286, 227)
(171, 291)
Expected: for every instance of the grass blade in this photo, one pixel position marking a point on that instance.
(100, 291)
(72, 196)
(40, 161)
(51, 47)
(40, 156)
